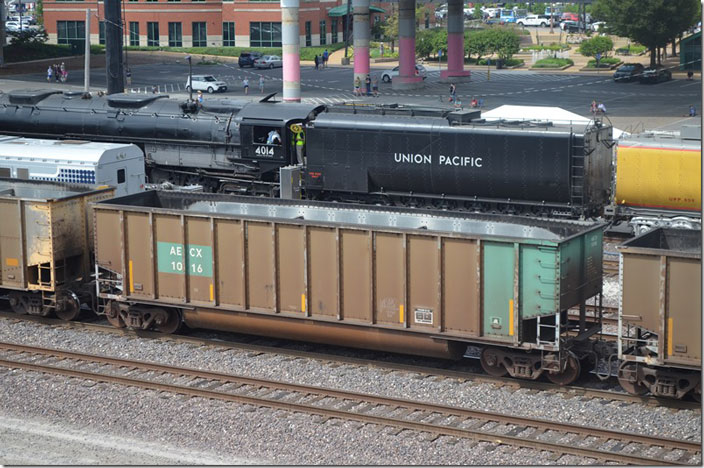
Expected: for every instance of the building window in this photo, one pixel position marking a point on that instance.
(175, 35)
(309, 41)
(228, 34)
(101, 32)
(323, 34)
(153, 34)
(264, 34)
(200, 36)
(333, 31)
(71, 32)
(152, 0)
(134, 33)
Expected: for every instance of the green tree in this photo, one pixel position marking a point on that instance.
(653, 23)
(477, 43)
(505, 43)
(425, 43)
(389, 29)
(477, 12)
(596, 45)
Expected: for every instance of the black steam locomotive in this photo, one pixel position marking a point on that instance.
(382, 154)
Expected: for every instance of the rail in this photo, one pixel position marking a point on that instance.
(437, 420)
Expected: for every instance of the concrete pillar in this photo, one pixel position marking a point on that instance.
(455, 44)
(361, 33)
(291, 44)
(407, 78)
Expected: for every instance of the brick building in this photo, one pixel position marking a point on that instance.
(202, 23)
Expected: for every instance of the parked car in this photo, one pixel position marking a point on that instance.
(269, 61)
(534, 20)
(388, 75)
(206, 83)
(247, 59)
(628, 72)
(598, 26)
(573, 26)
(569, 17)
(655, 75)
(12, 26)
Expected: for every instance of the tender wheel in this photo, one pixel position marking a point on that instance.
(17, 304)
(112, 314)
(71, 308)
(570, 374)
(386, 79)
(491, 364)
(627, 378)
(210, 90)
(170, 324)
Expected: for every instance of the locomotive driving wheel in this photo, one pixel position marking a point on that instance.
(70, 307)
(112, 314)
(628, 379)
(491, 362)
(569, 374)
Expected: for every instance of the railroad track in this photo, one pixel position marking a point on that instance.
(575, 391)
(603, 445)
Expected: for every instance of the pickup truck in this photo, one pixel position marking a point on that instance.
(535, 20)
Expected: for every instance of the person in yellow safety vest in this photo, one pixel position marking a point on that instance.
(299, 139)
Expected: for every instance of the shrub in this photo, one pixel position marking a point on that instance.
(635, 49)
(596, 45)
(552, 63)
(553, 46)
(604, 62)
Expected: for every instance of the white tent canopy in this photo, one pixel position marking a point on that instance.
(555, 115)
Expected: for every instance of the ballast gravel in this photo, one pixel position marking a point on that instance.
(259, 435)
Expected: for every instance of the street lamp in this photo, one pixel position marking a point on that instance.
(190, 78)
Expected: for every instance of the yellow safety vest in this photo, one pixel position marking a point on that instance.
(300, 139)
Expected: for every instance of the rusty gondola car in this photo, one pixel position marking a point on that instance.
(410, 281)
(660, 313)
(46, 244)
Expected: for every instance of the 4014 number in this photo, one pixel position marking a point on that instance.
(264, 151)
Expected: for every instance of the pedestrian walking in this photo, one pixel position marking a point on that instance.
(317, 61)
(453, 92)
(692, 111)
(690, 75)
(357, 85)
(49, 72)
(245, 85)
(368, 85)
(375, 86)
(593, 107)
(326, 54)
(261, 84)
(57, 73)
(481, 102)
(64, 73)
(200, 98)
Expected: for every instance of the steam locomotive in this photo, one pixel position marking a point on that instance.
(383, 154)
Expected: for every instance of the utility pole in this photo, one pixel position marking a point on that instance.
(114, 68)
(86, 63)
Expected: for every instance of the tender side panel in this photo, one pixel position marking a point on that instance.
(460, 286)
(199, 260)
(13, 262)
(640, 289)
(290, 268)
(580, 273)
(229, 264)
(39, 239)
(170, 257)
(140, 266)
(498, 289)
(684, 311)
(323, 272)
(108, 231)
(389, 284)
(539, 281)
(356, 271)
(260, 266)
(659, 178)
(423, 281)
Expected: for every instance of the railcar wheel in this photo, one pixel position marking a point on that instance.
(570, 374)
(491, 363)
(71, 307)
(628, 379)
(17, 304)
(170, 321)
(112, 314)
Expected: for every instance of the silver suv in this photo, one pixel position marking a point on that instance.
(206, 83)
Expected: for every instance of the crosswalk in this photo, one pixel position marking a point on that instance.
(329, 100)
(513, 75)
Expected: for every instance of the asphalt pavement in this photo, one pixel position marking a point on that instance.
(630, 106)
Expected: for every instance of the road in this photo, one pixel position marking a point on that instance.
(630, 106)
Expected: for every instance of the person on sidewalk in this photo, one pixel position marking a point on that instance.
(326, 54)
(593, 107)
(200, 99)
(375, 86)
(49, 72)
(602, 108)
(317, 61)
(368, 85)
(261, 84)
(692, 111)
(357, 86)
(245, 85)
(453, 92)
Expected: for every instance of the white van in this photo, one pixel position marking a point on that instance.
(75, 161)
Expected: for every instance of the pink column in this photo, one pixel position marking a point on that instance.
(455, 44)
(290, 41)
(360, 13)
(407, 78)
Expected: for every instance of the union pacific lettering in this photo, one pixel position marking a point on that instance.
(459, 161)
